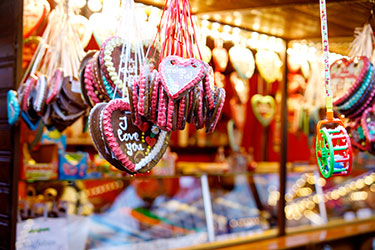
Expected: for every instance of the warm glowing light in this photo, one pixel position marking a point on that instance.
(342, 191)
(311, 180)
(256, 26)
(215, 26)
(335, 195)
(217, 17)
(304, 191)
(227, 28)
(368, 180)
(237, 21)
(94, 5)
(359, 184)
(358, 196)
(310, 205)
(322, 182)
(78, 3)
(205, 23)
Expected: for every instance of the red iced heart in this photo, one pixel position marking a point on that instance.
(150, 141)
(143, 126)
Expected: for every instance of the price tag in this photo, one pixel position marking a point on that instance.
(76, 86)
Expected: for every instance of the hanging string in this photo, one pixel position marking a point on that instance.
(129, 31)
(324, 30)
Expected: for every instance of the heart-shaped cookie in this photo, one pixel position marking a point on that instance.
(269, 65)
(368, 124)
(238, 112)
(179, 75)
(241, 87)
(41, 94)
(128, 142)
(26, 90)
(242, 60)
(357, 136)
(14, 108)
(206, 54)
(220, 58)
(214, 114)
(219, 79)
(54, 86)
(346, 76)
(34, 13)
(97, 136)
(101, 29)
(263, 108)
(82, 27)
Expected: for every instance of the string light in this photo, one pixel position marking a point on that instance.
(307, 204)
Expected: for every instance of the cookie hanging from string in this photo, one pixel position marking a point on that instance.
(134, 148)
(183, 89)
(52, 73)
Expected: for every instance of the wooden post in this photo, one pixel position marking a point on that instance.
(11, 13)
(283, 151)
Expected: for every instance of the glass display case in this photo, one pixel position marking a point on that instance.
(167, 212)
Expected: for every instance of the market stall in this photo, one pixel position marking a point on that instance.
(181, 124)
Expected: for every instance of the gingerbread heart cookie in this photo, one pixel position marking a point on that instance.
(14, 108)
(346, 76)
(357, 136)
(41, 94)
(368, 124)
(242, 60)
(54, 86)
(263, 108)
(179, 75)
(269, 65)
(138, 148)
(97, 136)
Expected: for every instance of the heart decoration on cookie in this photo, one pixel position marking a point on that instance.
(242, 60)
(263, 108)
(179, 75)
(138, 148)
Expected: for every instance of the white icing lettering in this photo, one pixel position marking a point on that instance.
(123, 125)
(133, 147)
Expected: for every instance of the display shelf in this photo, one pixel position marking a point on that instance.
(86, 141)
(298, 239)
(262, 168)
(79, 141)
